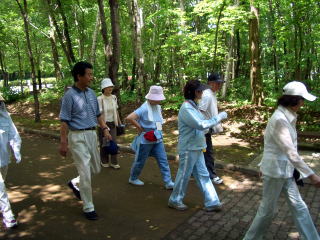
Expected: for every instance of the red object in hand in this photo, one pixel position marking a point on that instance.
(150, 136)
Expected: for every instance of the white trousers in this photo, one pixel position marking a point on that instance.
(5, 206)
(83, 146)
(272, 188)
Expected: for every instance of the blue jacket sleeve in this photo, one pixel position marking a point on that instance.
(193, 118)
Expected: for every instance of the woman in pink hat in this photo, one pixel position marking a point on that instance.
(148, 121)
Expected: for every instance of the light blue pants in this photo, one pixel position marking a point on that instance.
(5, 207)
(156, 150)
(192, 162)
(272, 188)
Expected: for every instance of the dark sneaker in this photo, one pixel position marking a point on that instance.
(76, 192)
(91, 215)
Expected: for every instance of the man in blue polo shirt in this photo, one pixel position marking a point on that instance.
(80, 114)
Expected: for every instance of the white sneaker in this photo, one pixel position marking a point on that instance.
(115, 166)
(105, 164)
(10, 223)
(217, 180)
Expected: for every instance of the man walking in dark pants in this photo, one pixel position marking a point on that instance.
(209, 108)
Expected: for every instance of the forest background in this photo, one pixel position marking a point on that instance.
(257, 46)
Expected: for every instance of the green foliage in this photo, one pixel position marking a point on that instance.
(9, 95)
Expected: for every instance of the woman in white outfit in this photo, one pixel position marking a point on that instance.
(280, 159)
(109, 109)
(9, 140)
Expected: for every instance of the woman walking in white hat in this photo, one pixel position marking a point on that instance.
(109, 109)
(148, 121)
(280, 160)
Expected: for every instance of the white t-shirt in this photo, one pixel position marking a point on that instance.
(209, 107)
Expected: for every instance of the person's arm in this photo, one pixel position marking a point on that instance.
(63, 139)
(132, 118)
(190, 116)
(282, 137)
(104, 127)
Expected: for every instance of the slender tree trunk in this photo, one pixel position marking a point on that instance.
(24, 13)
(229, 64)
(59, 34)
(136, 14)
(20, 64)
(115, 31)
(216, 36)
(255, 70)
(66, 32)
(273, 38)
(95, 40)
(104, 33)
(55, 53)
(4, 70)
(79, 22)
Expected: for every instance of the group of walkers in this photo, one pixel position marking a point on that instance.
(198, 118)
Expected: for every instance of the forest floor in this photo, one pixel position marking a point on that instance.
(240, 142)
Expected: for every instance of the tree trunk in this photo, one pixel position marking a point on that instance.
(4, 70)
(24, 13)
(115, 31)
(216, 37)
(136, 14)
(79, 22)
(95, 40)
(55, 53)
(104, 33)
(59, 34)
(255, 70)
(20, 65)
(66, 32)
(229, 63)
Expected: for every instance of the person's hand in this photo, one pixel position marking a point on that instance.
(63, 149)
(315, 180)
(140, 130)
(107, 134)
(221, 116)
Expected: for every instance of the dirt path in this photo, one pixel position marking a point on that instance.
(47, 209)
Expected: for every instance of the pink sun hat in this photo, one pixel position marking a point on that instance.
(155, 93)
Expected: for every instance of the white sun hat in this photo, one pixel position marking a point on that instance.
(298, 89)
(106, 83)
(155, 93)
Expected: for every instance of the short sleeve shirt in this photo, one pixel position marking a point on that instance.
(79, 109)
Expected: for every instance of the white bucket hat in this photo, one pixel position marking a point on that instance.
(298, 89)
(106, 83)
(155, 94)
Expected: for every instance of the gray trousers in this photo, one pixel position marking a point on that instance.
(106, 158)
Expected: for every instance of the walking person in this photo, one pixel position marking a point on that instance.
(209, 108)
(149, 142)
(9, 141)
(280, 160)
(191, 145)
(79, 116)
(109, 109)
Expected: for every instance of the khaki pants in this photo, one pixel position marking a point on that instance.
(84, 149)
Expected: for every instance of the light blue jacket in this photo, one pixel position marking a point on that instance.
(192, 124)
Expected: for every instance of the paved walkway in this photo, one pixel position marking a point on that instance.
(241, 199)
(47, 209)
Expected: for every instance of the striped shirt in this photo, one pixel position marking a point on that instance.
(79, 109)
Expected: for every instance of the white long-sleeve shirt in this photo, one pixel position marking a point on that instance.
(280, 154)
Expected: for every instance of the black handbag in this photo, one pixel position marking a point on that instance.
(120, 129)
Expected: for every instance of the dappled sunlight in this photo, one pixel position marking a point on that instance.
(16, 195)
(53, 192)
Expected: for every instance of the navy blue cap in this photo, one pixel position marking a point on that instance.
(215, 77)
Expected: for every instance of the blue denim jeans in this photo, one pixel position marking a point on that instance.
(272, 188)
(192, 162)
(156, 150)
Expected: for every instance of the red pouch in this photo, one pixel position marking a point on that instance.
(150, 136)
